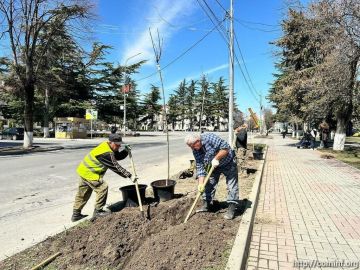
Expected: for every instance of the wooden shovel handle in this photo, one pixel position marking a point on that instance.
(199, 194)
(136, 183)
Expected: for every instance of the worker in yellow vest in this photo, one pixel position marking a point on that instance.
(91, 171)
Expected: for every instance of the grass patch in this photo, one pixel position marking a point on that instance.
(350, 155)
(352, 139)
(84, 224)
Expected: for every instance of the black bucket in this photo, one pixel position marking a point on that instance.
(163, 192)
(130, 196)
(258, 155)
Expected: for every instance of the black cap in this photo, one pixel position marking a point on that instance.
(115, 138)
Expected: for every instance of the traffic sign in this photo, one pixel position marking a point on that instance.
(91, 114)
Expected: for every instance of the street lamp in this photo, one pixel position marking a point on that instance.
(125, 77)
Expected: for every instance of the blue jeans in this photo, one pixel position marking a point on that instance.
(231, 174)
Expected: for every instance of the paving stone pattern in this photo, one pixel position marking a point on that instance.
(308, 216)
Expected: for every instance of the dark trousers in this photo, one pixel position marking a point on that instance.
(231, 174)
(85, 189)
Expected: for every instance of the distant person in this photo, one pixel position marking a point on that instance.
(283, 132)
(91, 171)
(324, 134)
(305, 141)
(241, 139)
(210, 150)
(313, 134)
(113, 129)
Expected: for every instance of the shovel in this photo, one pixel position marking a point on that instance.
(199, 193)
(136, 186)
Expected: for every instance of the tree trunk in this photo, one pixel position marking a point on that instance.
(343, 117)
(340, 134)
(46, 114)
(28, 114)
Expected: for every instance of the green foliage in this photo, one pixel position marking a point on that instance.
(219, 101)
(259, 147)
(150, 106)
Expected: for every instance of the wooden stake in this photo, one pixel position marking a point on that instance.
(46, 262)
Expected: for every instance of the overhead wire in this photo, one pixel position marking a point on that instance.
(182, 54)
(243, 23)
(246, 70)
(225, 37)
(217, 1)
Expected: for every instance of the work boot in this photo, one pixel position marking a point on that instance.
(100, 213)
(77, 215)
(230, 214)
(204, 208)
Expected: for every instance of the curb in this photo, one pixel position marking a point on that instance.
(20, 151)
(239, 252)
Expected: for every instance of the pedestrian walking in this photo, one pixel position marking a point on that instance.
(91, 171)
(283, 132)
(210, 150)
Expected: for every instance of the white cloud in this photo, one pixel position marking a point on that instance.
(162, 15)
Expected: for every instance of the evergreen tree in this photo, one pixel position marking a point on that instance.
(151, 107)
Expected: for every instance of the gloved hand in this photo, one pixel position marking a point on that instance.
(134, 179)
(214, 163)
(201, 188)
(127, 147)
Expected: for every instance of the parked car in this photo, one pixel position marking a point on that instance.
(12, 134)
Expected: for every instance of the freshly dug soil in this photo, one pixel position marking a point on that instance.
(124, 240)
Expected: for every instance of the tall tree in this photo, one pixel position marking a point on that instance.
(203, 98)
(190, 103)
(23, 22)
(181, 94)
(174, 113)
(220, 101)
(151, 107)
(336, 77)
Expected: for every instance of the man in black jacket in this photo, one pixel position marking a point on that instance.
(241, 139)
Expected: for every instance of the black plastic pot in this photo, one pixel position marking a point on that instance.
(163, 192)
(258, 155)
(130, 196)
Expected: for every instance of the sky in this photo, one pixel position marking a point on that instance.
(181, 24)
(192, 44)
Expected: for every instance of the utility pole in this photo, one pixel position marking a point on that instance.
(231, 75)
(261, 119)
(125, 81)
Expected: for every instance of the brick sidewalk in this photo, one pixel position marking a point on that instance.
(308, 211)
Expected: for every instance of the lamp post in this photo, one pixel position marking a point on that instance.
(125, 78)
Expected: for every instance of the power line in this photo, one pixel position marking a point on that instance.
(224, 36)
(247, 72)
(221, 6)
(211, 19)
(259, 23)
(256, 28)
(183, 53)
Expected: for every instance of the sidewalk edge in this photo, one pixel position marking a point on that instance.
(239, 252)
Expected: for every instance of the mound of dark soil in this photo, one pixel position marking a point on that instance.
(124, 240)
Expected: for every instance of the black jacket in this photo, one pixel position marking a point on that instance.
(241, 139)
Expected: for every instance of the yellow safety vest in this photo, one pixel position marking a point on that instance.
(90, 168)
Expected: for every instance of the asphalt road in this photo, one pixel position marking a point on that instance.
(37, 190)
